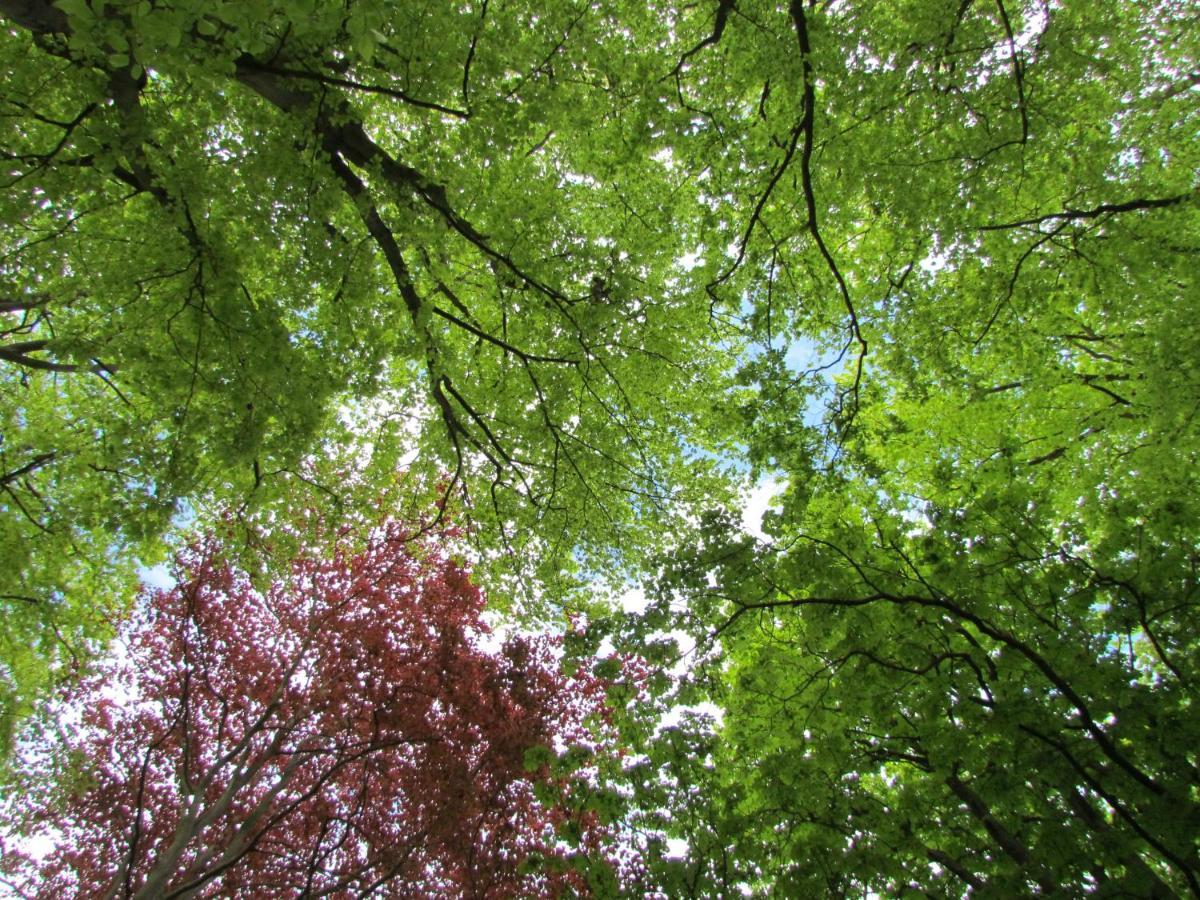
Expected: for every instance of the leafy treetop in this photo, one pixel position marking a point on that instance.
(343, 731)
(240, 237)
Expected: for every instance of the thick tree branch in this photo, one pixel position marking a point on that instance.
(1009, 843)
(1081, 807)
(35, 15)
(33, 465)
(1018, 67)
(18, 354)
(807, 127)
(1188, 868)
(350, 141)
(466, 79)
(724, 8)
(1069, 214)
(25, 304)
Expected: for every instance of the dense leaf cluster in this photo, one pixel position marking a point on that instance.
(964, 660)
(342, 732)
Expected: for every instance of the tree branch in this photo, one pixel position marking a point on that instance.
(807, 126)
(1018, 68)
(35, 15)
(724, 8)
(1096, 211)
(36, 463)
(503, 345)
(946, 604)
(321, 78)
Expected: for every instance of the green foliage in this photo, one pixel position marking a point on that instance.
(965, 659)
(248, 248)
(929, 264)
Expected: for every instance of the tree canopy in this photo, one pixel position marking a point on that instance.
(342, 732)
(239, 237)
(963, 661)
(585, 272)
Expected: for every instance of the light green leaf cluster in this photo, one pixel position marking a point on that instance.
(256, 256)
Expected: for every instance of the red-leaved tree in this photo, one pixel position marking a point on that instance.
(341, 733)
